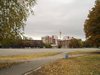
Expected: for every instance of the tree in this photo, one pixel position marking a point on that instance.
(75, 43)
(47, 45)
(92, 26)
(13, 14)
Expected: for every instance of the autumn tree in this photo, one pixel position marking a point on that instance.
(13, 14)
(92, 26)
(75, 43)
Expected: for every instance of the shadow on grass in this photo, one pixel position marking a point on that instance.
(96, 52)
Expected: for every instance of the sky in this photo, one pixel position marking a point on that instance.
(54, 16)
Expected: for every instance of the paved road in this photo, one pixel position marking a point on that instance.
(6, 52)
(35, 63)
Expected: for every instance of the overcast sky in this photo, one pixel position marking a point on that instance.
(52, 16)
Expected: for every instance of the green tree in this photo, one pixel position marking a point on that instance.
(75, 43)
(13, 14)
(47, 45)
(92, 26)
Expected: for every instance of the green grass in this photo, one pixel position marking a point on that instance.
(84, 65)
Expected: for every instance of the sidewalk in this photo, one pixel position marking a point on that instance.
(20, 69)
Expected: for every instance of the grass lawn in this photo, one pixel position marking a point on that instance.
(7, 65)
(28, 56)
(84, 65)
(6, 59)
(84, 52)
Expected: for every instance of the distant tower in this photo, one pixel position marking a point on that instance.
(60, 35)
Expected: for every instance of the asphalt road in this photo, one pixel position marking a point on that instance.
(35, 63)
(8, 52)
